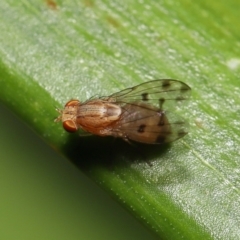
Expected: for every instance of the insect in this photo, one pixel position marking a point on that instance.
(134, 114)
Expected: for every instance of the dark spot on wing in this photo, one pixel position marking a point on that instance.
(160, 139)
(141, 128)
(166, 84)
(145, 96)
(179, 122)
(180, 98)
(161, 101)
(184, 88)
(181, 133)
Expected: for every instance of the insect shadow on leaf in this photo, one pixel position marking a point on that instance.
(88, 152)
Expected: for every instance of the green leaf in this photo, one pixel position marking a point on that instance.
(51, 52)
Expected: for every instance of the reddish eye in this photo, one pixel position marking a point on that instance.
(72, 103)
(69, 126)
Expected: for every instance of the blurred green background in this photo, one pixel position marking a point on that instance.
(43, 196)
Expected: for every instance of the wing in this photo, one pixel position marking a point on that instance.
(162, 93)
(147, 124)
(148, 111)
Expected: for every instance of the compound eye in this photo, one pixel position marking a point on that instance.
(72, 103)
(69, 126)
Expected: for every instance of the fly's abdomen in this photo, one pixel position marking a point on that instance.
(144, 123)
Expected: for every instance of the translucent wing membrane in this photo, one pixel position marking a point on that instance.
(147, 124)
(161, 93)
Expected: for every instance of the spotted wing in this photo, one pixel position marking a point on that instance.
(162, 93)
(148, 114)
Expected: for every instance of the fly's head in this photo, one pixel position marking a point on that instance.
(68, 115)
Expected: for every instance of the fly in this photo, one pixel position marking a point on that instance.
(140, 113)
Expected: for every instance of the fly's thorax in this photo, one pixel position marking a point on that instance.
(98, 116)
(100, 110)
